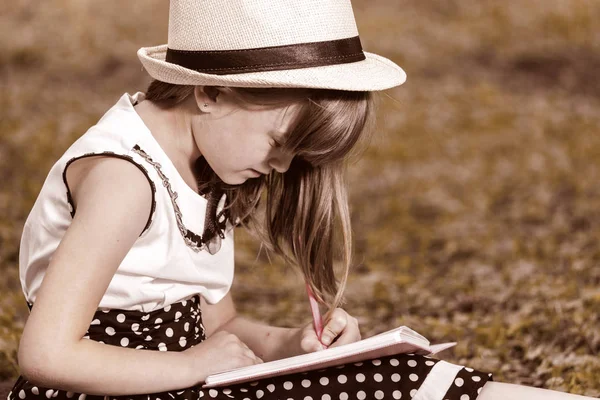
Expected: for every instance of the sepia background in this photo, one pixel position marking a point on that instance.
(476, 206)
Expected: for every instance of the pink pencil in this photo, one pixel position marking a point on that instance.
(316, 314)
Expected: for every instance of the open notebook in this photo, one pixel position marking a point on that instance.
(396, 341)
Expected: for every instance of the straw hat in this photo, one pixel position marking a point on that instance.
(267, 43)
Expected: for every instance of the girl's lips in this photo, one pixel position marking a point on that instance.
(260, 172)
(255, 172)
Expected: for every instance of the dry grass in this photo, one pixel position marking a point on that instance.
(476, 208)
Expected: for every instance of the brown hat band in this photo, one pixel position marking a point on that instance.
(302, 55)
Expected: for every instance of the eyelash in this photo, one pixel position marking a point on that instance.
(275, 143)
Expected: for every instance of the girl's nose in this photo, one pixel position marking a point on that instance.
(281, 161)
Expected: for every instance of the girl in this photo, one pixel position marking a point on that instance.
(127, 255)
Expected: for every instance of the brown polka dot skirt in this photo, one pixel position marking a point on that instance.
(179, 326)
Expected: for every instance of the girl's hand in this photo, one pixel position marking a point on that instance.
(220, 352)
(341, 327)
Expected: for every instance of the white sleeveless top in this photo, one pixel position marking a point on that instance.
(168, 262)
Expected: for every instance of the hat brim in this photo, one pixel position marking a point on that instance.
(373, 73)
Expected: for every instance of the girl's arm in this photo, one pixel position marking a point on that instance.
(113, 200)
(267, 342)
(273, 343)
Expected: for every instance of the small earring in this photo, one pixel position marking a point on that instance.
(205, 105)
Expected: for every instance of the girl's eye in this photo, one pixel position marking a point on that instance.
(275, 143)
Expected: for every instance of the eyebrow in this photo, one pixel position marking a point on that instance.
(283, 133)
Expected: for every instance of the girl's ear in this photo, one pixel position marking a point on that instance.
(206, 97)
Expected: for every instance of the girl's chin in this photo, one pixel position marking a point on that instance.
(234, 181)
(239, 178)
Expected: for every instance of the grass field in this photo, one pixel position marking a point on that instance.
(476, 207)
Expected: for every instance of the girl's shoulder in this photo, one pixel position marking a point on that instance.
(115, 138)
(100, 182)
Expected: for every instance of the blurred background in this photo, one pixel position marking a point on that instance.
(476, 207)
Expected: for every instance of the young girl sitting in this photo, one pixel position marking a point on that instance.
(127, 255)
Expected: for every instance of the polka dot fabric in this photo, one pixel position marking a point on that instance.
(467, 384)
(179, 326)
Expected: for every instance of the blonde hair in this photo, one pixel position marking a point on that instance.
(305, 204)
